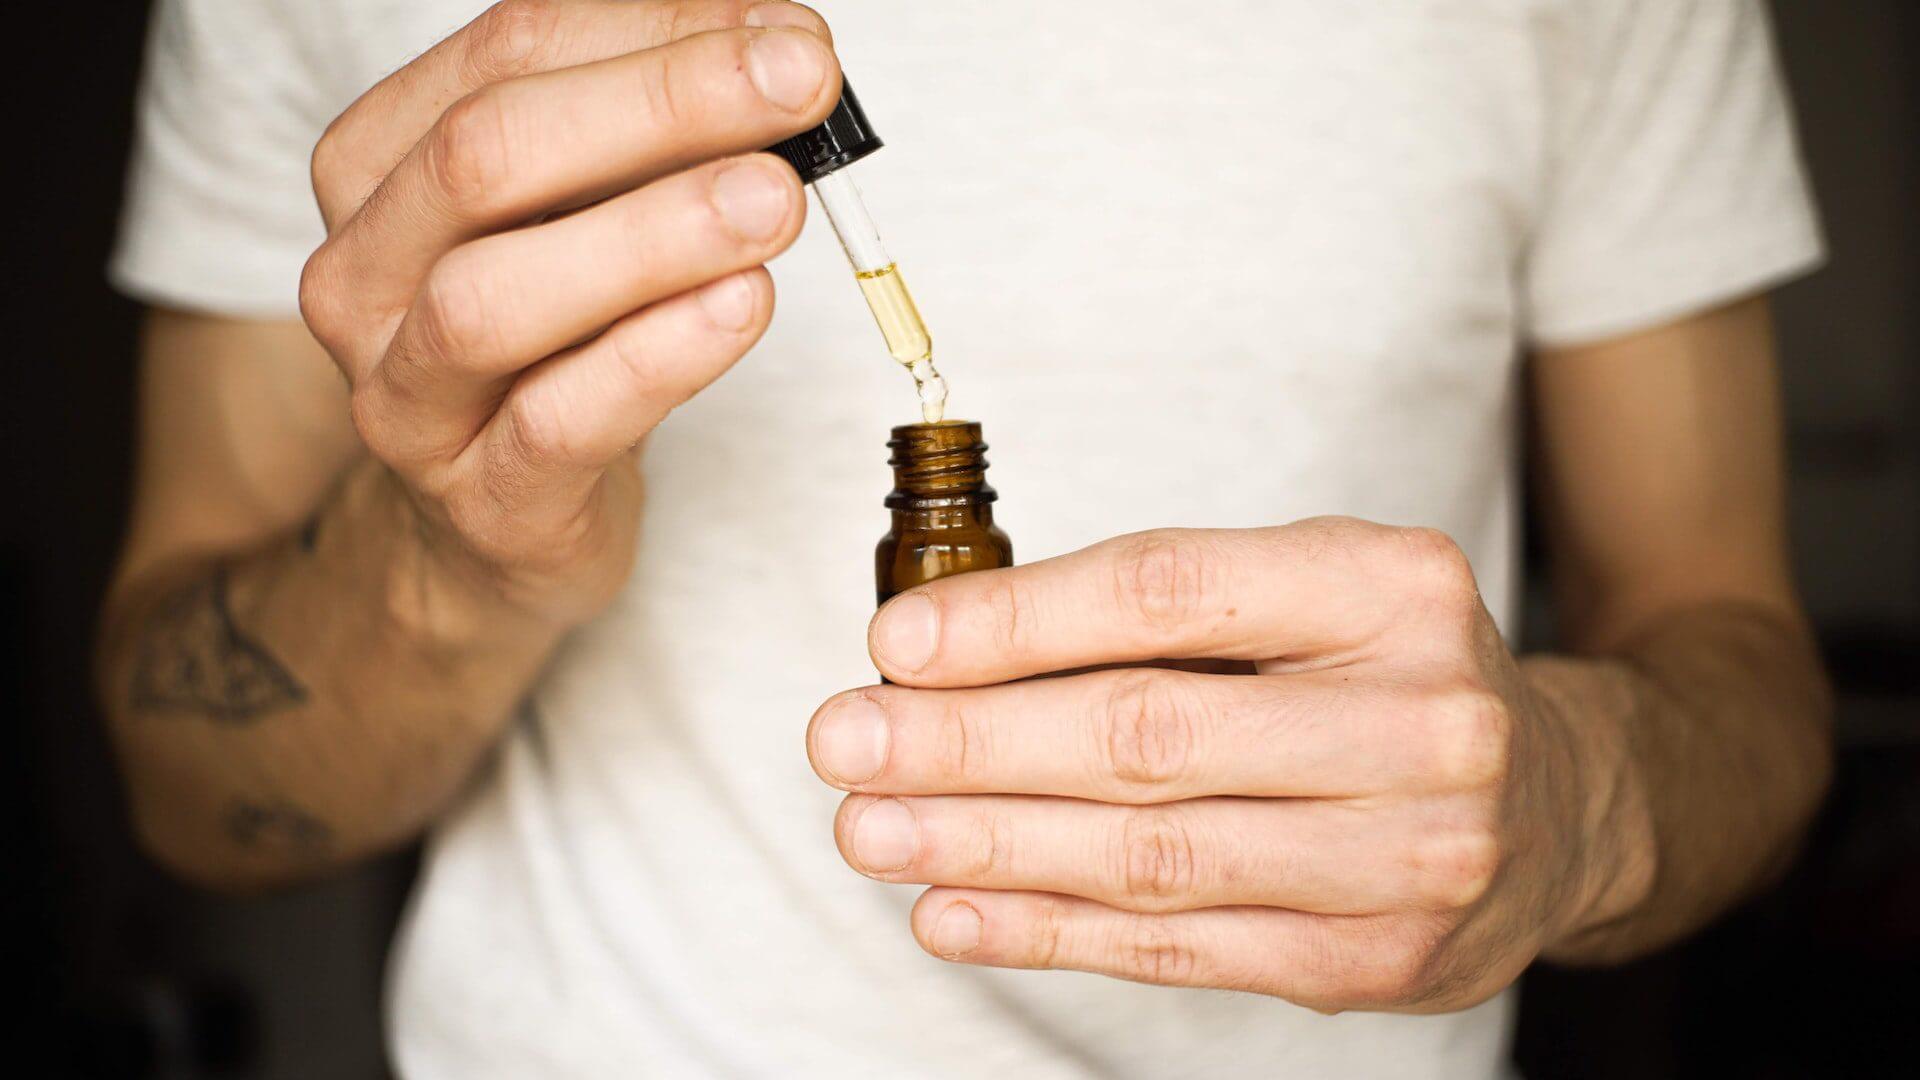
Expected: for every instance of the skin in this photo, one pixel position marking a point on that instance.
(1372, 803)
(356, 540)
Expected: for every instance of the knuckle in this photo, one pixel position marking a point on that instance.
(509, 38)
(1431, 547)
(661, 95)
(1471, 732)
(966, 750)
(1010, 612)
(320, 293)
(992, 852)
(1437, 565)
(1394, 974)
(1156, 853)
(1396, 981)
(470, 154)
(1317, 972)
(670, 21)
(1163, 577)
(456, 320)
(1328, 537)
(1456, 869)
(1149, 730)
(1148, 950)
(539, 433)
(1049, 931)
(327, 166)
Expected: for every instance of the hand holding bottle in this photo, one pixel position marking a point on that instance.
(1383, 812)
(540, 240)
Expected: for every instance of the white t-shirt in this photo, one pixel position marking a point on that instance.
(1221, 263)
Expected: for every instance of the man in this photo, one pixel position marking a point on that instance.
(1219, 267)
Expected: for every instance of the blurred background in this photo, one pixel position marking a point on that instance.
(125, 974)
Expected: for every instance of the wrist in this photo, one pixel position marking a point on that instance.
(1587, 707)
(435, 598)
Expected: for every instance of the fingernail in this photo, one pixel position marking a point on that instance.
(908, 631)
(852, 741)
(957, 932)
(784, 14)
(787, 68)
(727, 302)
(885, 838)
(752, 200)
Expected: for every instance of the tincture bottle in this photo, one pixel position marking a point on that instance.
(942, 508)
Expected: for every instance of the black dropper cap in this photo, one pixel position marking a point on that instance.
(842, 139)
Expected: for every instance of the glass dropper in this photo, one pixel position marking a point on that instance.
(886, 291)
(822, 157)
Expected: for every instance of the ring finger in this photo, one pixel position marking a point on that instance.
(500, 303)
(1306, 854)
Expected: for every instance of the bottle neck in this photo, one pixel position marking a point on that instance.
(966, 514)
(940, 470)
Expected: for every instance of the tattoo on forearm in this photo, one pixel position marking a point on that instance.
(277, 826)
(194, 659)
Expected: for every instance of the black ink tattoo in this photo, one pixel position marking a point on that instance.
(277, 825)
(195, 659)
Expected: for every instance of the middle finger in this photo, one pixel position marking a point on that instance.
(1303, 854)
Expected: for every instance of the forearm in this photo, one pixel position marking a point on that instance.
(1704, 743)
(282, 711)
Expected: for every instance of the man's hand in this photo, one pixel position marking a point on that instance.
(543, 234)
(1380, 813)
(540, 240)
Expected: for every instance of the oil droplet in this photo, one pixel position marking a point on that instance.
(933, 391)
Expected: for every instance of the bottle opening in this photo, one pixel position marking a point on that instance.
(938, 464)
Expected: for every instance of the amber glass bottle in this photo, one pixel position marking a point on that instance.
(942, 508)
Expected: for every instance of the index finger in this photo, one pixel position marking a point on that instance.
(512, 38)
(1313, 593)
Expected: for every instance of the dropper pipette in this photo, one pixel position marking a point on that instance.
(821, 157)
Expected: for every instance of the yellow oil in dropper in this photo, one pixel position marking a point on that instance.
(822, 157)
(906, 333)
(886, 291)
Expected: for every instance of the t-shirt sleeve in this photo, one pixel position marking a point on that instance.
(219, 214)
(1674, 181)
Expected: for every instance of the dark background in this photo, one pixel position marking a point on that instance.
(126, 974)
